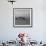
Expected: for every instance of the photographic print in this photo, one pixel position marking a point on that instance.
(22, 17)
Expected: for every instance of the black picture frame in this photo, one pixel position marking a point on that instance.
(18, 19)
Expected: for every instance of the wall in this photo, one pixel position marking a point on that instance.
(37, 32)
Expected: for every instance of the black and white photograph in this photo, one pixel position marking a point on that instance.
(22, 17)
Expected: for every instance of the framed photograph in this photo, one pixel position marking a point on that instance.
(22, 17)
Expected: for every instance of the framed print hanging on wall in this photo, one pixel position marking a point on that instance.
(22, 17)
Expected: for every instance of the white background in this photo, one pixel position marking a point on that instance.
(37, 32)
